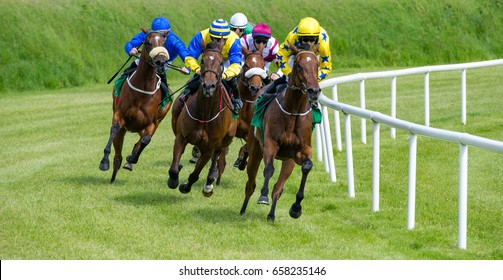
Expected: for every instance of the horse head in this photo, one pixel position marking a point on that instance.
(305, 71)
(212, 66)
(253, 69)
(154, 52)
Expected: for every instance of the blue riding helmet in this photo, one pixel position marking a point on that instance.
(161, 23)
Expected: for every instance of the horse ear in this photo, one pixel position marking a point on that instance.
(143, 29)
(316, 48)
(221, 44)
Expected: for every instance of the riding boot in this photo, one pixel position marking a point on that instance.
(274, 85)
(191, 86)
(232, 90)
(164, 85)
(130, 69)
(236, 102)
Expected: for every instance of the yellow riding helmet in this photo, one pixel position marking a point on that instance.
(308, 27)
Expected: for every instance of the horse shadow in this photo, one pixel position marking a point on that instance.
(149, 198)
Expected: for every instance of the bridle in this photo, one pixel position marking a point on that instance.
(152, 53)
(247, 73)
(218, 75)
(299, 86)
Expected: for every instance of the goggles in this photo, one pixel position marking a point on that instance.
(306, 39)
(260, 40)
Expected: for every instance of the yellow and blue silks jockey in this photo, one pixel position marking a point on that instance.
(231, 52)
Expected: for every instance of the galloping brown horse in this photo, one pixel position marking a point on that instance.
(286, 133)
(251, 80)
(203, 120)
(137, 108)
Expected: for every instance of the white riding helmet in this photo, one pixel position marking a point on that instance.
(238, 20)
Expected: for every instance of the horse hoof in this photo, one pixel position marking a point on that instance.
(208, 190)
(295, 212)
(184, 188)
(172, 183)
(128, 166)
(263, 200)
(270, 218)
(104, 165)
(238, 162)
(243, 164)
(193, 160)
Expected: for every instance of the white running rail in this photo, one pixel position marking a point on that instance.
(425, 70)
(463, 139)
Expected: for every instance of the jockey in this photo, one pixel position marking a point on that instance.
(308, 32)
(261, 35)
(240, 25)
(174, 45)
(231, 52)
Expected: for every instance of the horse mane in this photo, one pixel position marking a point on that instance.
(213, 45)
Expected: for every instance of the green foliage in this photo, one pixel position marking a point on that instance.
(60, 44)
(56, 204)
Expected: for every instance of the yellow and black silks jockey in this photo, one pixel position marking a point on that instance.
(231, 52)
(309, 32)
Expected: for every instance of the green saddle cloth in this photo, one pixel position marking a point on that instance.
(262, 103)
(120, 81)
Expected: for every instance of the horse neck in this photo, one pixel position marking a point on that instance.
(145, 76)
(208, 107)
(244, 90)
(294, 101)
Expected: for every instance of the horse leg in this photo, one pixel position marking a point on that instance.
(242, 166)
(213, 173)
(268, 172)
(252, 170)
(194, 176)
(240, 163)
(145, 138)
(135, 153)
(286, 170)
(105, 163)
(239, 160)
(221, 163)
(118, 141)
(174, 170)
(296, 209)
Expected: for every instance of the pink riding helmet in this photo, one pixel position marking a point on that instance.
(261, 29)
